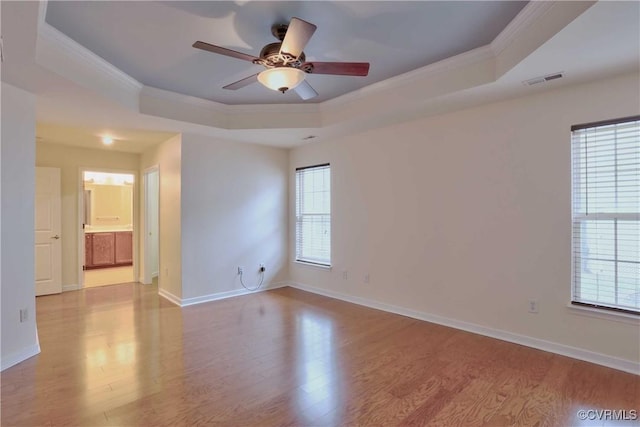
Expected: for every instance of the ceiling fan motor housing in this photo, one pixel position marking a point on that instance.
(285, 61)
(270, 56)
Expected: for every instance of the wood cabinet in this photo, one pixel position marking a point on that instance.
(108, 249)
(124, 248)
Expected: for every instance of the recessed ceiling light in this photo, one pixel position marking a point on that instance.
(106, 140)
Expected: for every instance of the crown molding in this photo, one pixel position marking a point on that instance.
(76, 50)
(527, 16)
(183, 108)
(42, 12)
(273, 109)
(194, 101)
(367, 106)
(82, 54)
(172, 105)
(220, 108)
(464, 59)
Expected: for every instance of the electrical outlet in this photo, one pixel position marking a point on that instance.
(240, 270)
(533, 306)
(24, 315)
(366, 278)
(345, 274)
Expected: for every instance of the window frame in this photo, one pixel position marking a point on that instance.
(297, 221)
(577, 218)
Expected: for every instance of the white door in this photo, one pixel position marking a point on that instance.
(48, 249)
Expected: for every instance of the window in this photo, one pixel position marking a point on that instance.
(313, 214)
(606, 214)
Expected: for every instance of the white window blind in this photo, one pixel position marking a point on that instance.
(313, 214)
(606, 214)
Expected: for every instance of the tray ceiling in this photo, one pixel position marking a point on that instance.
(151, 41)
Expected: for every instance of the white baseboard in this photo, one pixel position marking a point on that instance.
(217, 296)
(169, 296)
(67, 288)
(553, 347)
(20, 356)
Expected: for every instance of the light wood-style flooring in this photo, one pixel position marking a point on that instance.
(123, 356)
(108, 276)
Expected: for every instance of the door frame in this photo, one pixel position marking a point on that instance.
(80, 213)
(147, 278)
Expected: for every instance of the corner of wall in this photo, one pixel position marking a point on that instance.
(168, 157)
(17, 169)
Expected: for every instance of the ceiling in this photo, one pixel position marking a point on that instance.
(152, 41)
(124, 139)
(80, 96)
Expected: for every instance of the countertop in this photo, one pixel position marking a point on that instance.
(106, 229)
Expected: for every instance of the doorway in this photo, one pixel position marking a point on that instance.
(108, 228)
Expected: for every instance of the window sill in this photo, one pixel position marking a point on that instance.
(630, 319)
(309, 264)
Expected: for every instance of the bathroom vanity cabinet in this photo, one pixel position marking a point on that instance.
(108, 249)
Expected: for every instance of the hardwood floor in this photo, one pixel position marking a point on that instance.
(121, 355)
(108, 276)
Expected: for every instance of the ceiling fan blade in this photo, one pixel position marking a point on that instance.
(223, 51)
(337, 68)
(297, 37)
(305, 91)
(242, 83)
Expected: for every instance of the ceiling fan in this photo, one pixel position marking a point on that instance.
(285, 61)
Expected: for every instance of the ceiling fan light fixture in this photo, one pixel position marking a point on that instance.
(281, 78)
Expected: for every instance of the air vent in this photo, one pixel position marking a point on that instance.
(543, 79)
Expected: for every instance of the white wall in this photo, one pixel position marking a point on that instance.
(467, 215)
(19, 340)
(234, 213)
(167, 156)
(70, 160)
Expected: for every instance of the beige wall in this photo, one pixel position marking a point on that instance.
(467, 215)
(111, 206)
(234, 213)
(17, 285)
(167, 156)
(70, 160)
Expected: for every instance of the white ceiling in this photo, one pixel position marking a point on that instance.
(86, 136)
(79, 97)
(151, 41)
